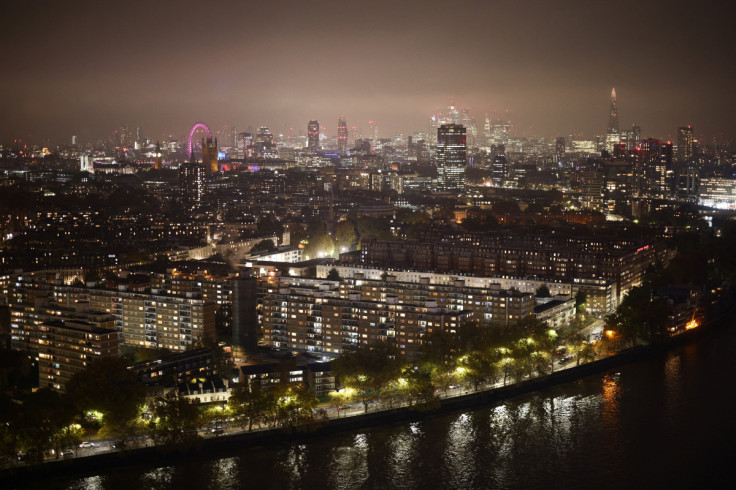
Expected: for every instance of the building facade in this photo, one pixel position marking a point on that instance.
(313, 135)
(150, 318)
(67, 347)
(555, 258)
(311, 317)
(342, 136)
(452, 158)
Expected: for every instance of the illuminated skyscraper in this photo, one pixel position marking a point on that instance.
(451, 156)
(191, 180)
(432, 128)
(313, 135)
(613, 136)
(342, 136)
(655, 160)
(234, 136)
(635, 136)
(499, 167)
(560, 147)
(264, 146)
(613, 114)
(684, 143)
(123, 136)
(500, 132)
(487, 131)
(264, 135)
(468, 121)
(374, 131)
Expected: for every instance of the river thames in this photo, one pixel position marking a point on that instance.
(666, 422)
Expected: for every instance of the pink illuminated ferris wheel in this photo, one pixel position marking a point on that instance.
(191, 133)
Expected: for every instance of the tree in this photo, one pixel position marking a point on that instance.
(369, 227)
(479, 223)
(586, 352)
(443, 377)
(10, 414)
(345, 236)
(506, 207)
(438, 358)
(338, 399)
(68, 436)
(368, 371)
(109, 387)
(333, 275)
(320, 245)
(580, 301)
(269, 225)
(638, 316)
(574, 345)
(419, 388)
(294, 406)
(263, 245)
(529, 327)
(506, 364)
(444, 213)
(411, 217)
(251, 403)
(217, 414)
(546, 342)
(522, 355)
(543, 291)
(44, 414)
(175, 420)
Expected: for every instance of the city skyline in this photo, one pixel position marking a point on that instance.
(81, 71)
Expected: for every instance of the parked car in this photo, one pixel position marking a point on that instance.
(87, 444)
(218, 431)
(66, 453)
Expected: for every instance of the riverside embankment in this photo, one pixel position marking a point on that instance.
(223, 445)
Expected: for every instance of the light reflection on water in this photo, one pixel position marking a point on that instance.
(159, 477)
(459, 452)
(654, 423)
(348, 465)
(403, 447)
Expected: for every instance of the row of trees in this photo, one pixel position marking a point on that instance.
(287, 406)
(472, 356)
(106, 397)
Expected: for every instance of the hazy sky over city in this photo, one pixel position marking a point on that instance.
(86, 67)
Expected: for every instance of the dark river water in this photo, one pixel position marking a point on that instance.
(666, 422)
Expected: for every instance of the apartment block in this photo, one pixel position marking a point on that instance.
(66, 347)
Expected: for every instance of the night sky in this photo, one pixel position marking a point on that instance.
(86, 67)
